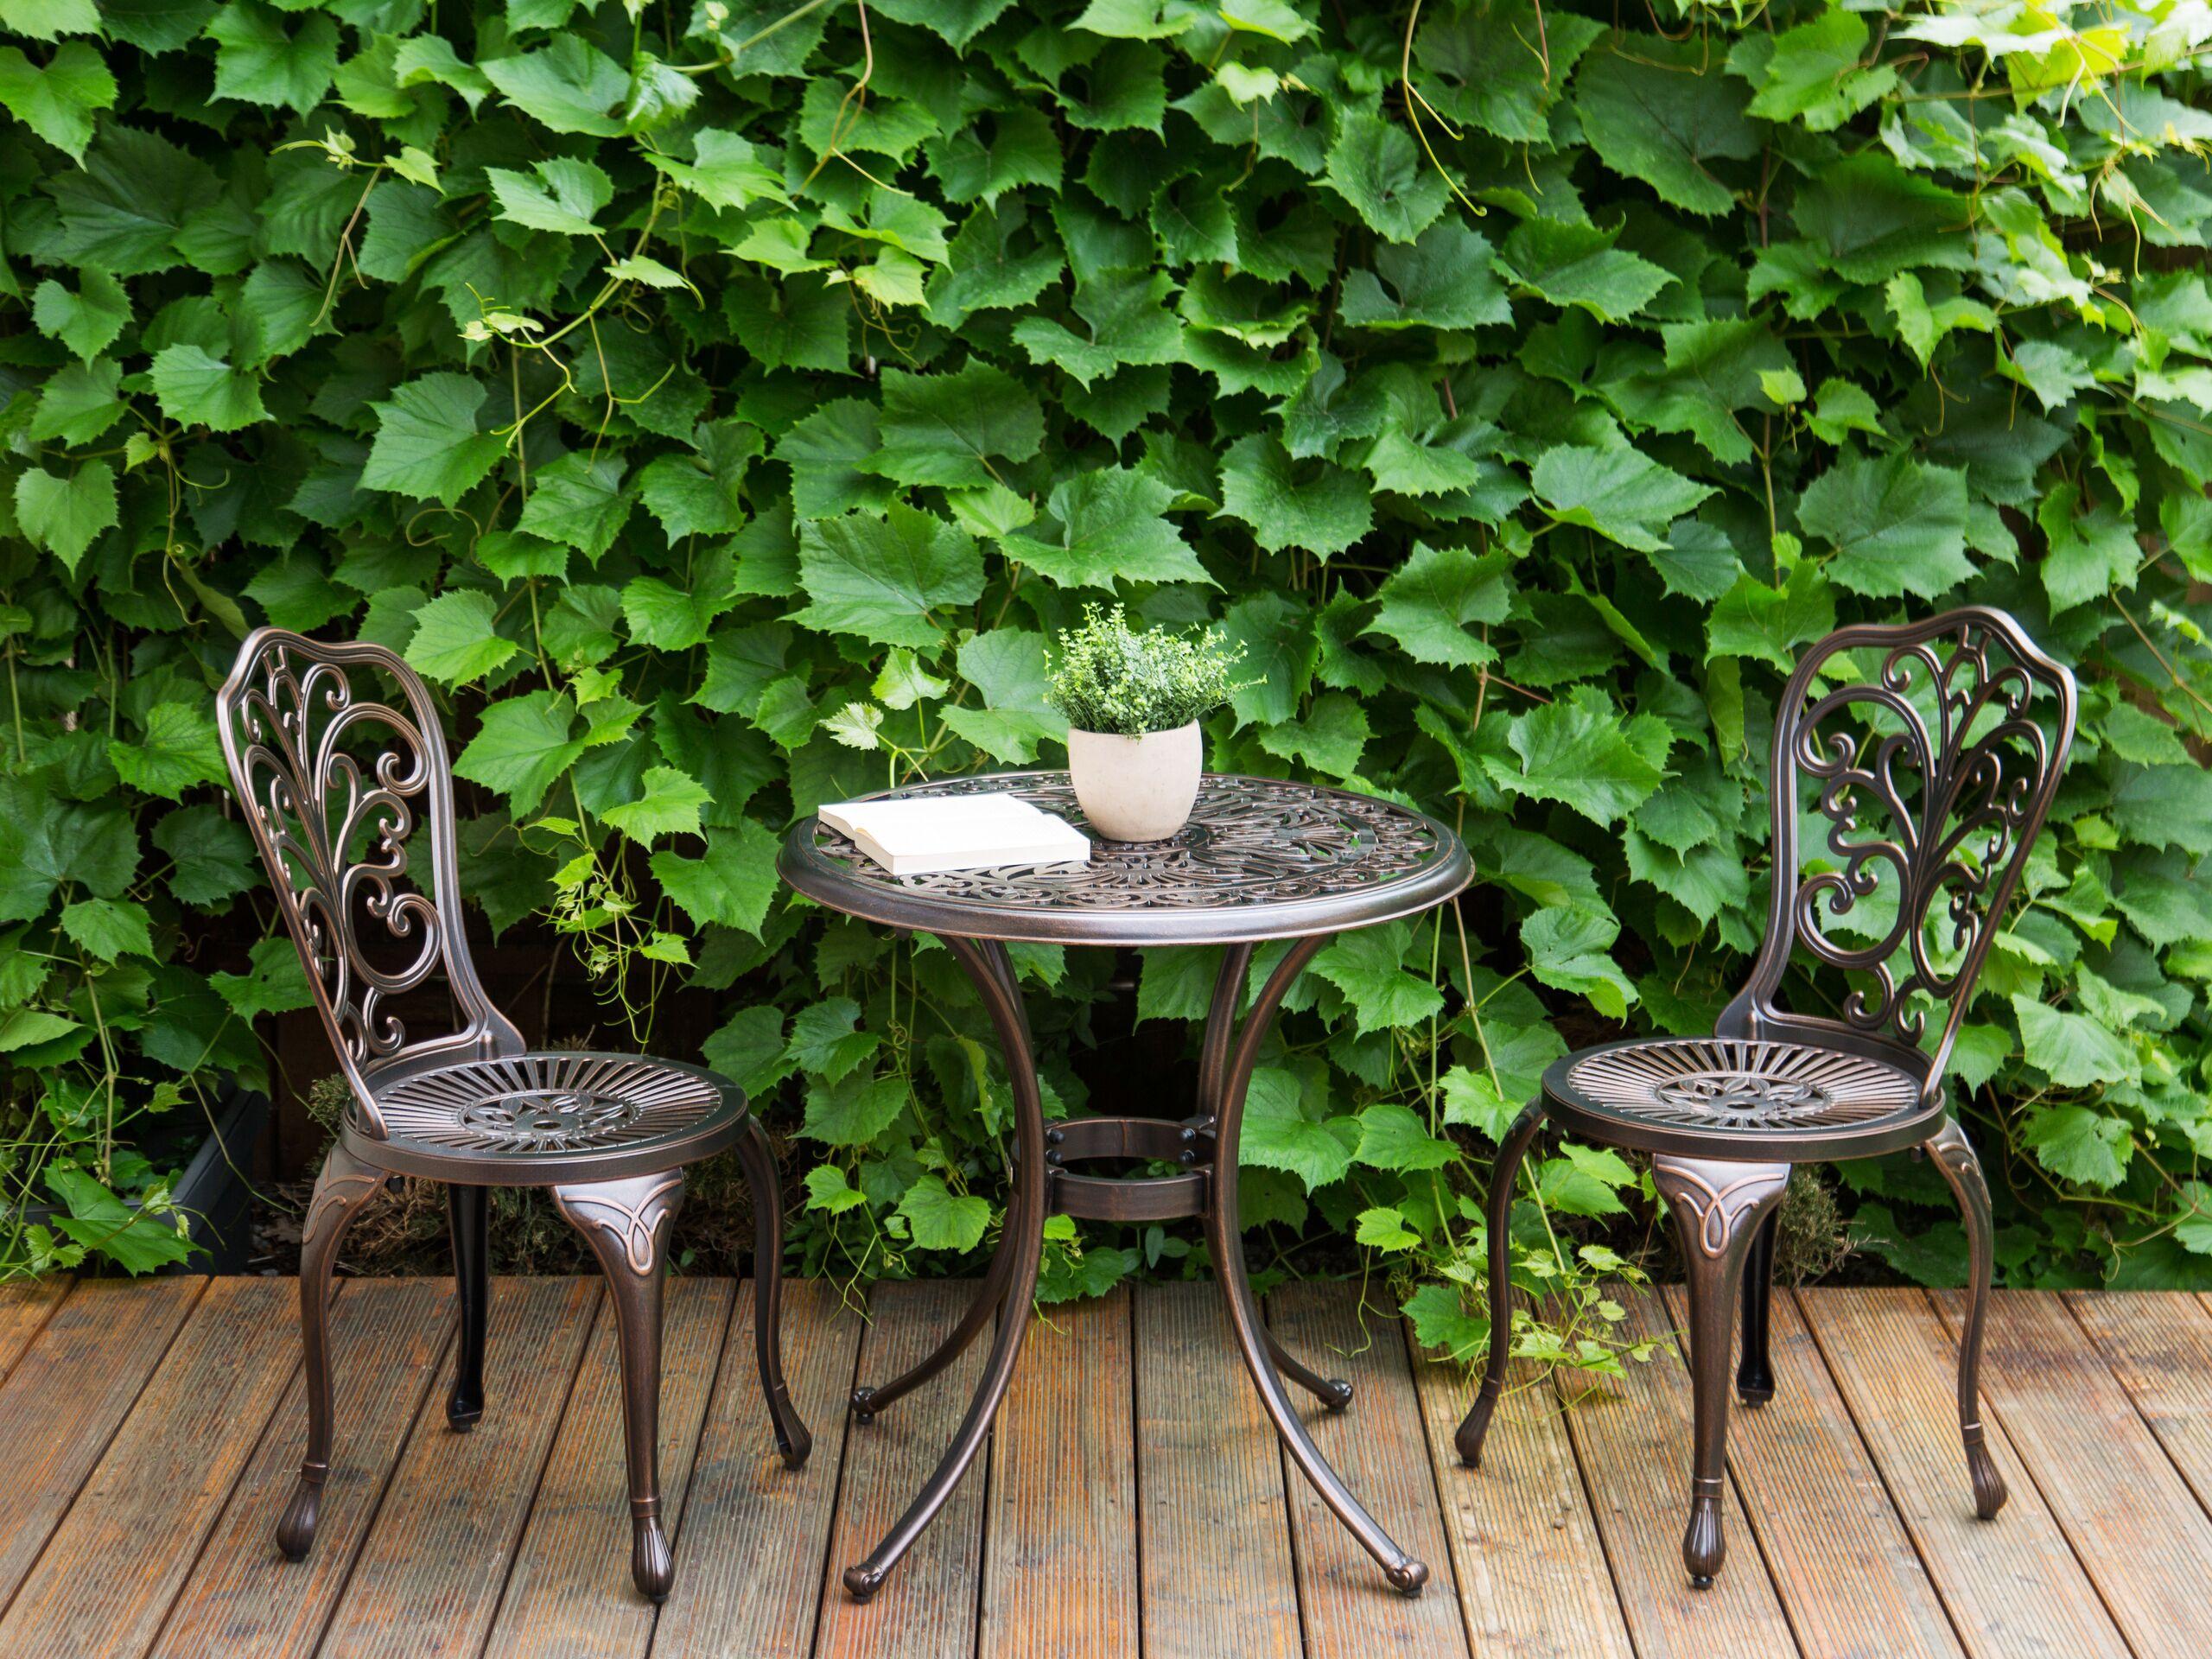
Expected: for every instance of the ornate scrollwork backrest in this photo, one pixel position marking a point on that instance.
(336, 778)
(1956, 745)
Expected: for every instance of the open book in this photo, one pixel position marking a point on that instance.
(956, 832)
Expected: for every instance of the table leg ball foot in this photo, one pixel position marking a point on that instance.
(863, 1404)
(1407, 1576)
(861, 1582)
(1337, 1394)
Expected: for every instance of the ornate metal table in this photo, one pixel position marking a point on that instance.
(1260, 860)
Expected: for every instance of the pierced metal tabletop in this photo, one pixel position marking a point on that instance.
(1262, 858)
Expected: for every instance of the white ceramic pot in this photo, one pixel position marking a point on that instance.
(1137, 788)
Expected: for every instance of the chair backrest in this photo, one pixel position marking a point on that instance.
(1934, 779)
(337, 756)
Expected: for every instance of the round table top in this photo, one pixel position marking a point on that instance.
(1262, 858)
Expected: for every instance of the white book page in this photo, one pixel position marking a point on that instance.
(981, 829)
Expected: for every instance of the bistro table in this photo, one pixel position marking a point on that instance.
(1261, 860)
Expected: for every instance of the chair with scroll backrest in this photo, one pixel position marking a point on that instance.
(1954, 751)
(337, 756)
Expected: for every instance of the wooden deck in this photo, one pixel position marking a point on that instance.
(1133, 1503)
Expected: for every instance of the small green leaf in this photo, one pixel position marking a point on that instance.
(63, 515)
(1365, 966)
(670, 806)
(177, 748)
(110, 928)
(259, 60)
(427, 442)
(456, 639)
(938, 1220)
(563, 198)
(57, 101)
(1392, 1137)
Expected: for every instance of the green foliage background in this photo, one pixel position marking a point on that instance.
(723, 401)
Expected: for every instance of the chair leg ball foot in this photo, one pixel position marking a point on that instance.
(1704, 1547)
(1337, 1394)
(1474, 1429)
(1989, 1493)
(652, 1563)
(295, 1530)
(861, 1582)
(863, 1405)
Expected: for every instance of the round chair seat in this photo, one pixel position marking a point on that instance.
(1736, 1097)
(540, 1119)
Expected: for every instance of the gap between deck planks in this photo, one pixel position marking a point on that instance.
(1133, 1504)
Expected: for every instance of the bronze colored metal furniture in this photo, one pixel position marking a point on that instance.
(1261, 860)
(1956, 747)
(336, 777)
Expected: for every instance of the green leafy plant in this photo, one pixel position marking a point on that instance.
(1112, 678)
(723, 405)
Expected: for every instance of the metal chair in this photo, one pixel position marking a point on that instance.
(334, 781)
(1958, 744)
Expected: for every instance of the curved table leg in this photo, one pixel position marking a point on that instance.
(1474, 1428)
(1334, 1392)
(1226, 1240)
(986, 962)
(868, 1401)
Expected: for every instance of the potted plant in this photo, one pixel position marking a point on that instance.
(1133, 699)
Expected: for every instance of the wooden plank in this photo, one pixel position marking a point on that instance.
(1216, 1567)
(571, 1592)
(749, 1557)
(67, 1394)
(1380, 1449)
(927, 1609)
(429, 1577)
(24, 1310)
(1838, 1553)
(1632, 1439)
(1532, 1576)
(2160, 1344)
(115, 1562)
(1060, 1540)
(2012, 1585)
(244, 1600)
(2135, 1526)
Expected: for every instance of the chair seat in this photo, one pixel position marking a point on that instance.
(538, 1119)
(1742, 1098)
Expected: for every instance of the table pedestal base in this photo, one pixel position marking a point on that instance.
(1206, 1145)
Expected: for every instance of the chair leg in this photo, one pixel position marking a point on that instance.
(628, 1225)
(1717, 1208)
(344, 1186)
(765, 1181)
(1474, 1428)
(468, 1222)
(1954, 1154)
(1754, 1372)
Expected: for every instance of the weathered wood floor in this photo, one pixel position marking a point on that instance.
(1133, 1503)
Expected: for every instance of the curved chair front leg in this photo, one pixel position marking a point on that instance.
(764, 1180)
(1717, 1207)
(1954, 1154)
(1474, 1428)
(469, 1223)
(1225, 1238)
(626, 1223)
(1754, 1371)
(986, 964)
(345, 1184)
